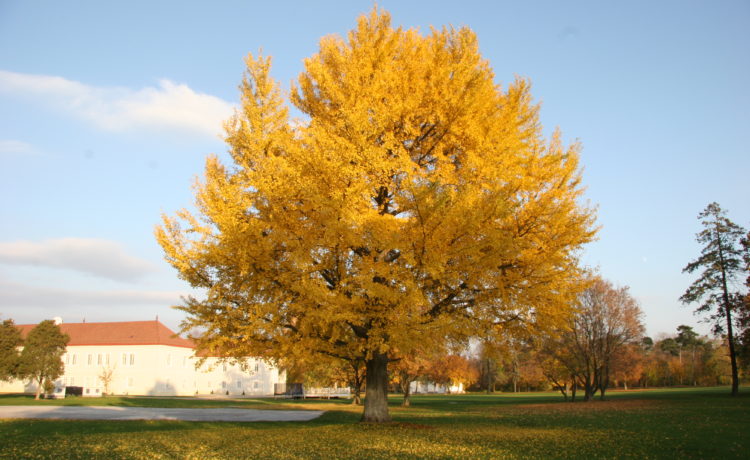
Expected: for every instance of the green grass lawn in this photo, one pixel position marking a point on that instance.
(679, 423)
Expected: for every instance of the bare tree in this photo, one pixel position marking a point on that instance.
(605, 320)
(107, 376)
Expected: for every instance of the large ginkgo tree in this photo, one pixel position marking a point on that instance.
(416, 202)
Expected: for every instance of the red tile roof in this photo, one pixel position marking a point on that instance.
(120, 333)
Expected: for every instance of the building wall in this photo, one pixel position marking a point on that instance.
(254, 377)
(157, 370)
(418, 387)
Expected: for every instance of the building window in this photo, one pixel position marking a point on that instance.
(255, 385)
(124, 359)
(256, 366)
(239, 384)
(224, 366)
(132, 359)
(73, 361)
(223, 384)
(99, 359)
(90, 359)
(107, 358)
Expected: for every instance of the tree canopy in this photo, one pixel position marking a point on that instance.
(41, 358)
(10, 341)
(606, 320)
(416, 201)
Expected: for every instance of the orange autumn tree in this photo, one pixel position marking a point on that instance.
(453, 371)
(417, 200)
(409, 367)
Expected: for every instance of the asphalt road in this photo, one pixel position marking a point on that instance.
(155, 413)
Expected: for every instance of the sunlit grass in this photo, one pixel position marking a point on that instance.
(684, 423)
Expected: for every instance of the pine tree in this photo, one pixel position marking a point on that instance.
(722, 265)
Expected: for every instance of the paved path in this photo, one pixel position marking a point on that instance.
(155, 413)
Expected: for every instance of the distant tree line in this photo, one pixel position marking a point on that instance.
(601, 345)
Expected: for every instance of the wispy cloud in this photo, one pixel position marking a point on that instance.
(17, 295)
(568, 33)
(14, 147)
(166, 106)
(98, 257)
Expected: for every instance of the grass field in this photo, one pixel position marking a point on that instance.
(679, 423)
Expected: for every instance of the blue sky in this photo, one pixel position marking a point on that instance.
(108, 109)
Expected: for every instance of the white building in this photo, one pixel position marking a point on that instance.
(426, 387)
(146, 358)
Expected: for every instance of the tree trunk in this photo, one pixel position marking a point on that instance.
(407, 393)
(39, 387)
(573, 391)
(376, 390)
(732, 353)
(728, 314)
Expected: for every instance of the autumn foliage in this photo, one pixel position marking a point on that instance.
(416, 200)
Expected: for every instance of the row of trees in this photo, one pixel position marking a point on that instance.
(671, 361)
(40, 359)
(600, 345)
(448, 370)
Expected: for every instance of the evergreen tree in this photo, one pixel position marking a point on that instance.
(743, 313)
(41, 358)
(10, 340)
(722, 265)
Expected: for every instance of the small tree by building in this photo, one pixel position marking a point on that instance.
(41, 358)
(107, 376)
(10, 340)
(722, 264)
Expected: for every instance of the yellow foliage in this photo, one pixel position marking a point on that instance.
(417, 200)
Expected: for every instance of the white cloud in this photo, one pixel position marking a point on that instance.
(10, 146)
(17, 296)
(27, 304)
(98, 257)
(169, 105)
